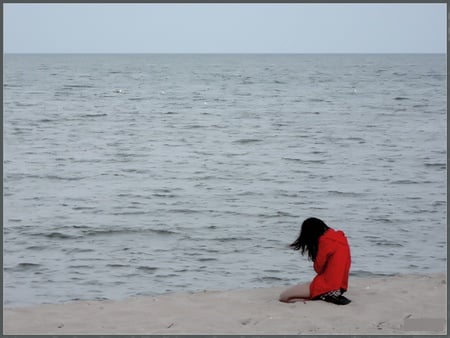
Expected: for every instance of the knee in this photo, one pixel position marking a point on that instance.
(283, 298)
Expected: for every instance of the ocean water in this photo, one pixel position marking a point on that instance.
(127, 175)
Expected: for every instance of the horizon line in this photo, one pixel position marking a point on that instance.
(218, 53)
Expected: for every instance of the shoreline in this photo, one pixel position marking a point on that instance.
(405, 304)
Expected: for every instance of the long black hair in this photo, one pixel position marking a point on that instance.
(308, 240)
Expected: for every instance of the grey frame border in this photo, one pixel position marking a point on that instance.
(220, 2)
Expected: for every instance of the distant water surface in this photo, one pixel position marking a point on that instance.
(134, 175)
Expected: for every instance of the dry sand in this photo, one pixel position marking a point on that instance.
(383, 305)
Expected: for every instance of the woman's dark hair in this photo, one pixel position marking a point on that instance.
(308, 240)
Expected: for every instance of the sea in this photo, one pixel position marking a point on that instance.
(140, 175)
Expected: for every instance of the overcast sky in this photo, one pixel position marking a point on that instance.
(225, 28)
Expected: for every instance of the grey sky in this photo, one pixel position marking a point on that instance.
(225, 28)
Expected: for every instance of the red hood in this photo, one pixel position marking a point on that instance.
(334, 235)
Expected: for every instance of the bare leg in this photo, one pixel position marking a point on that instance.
(295, 293)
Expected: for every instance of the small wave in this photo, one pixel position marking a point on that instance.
(20, 104)
(185, 211)
(133, 195)
(303, 160)
(60, 178)
(195, 126)
(411, 182)
(268, 279)
(437, 164)
(344, 193)
(9, 85)
(163, 190)
(37, 247)
(125, 155)
(147, 268)
(382, 242)
(103, 232)
(404, 182)
(19, 176)
(77, 86)
(28, 265)
(388, 243)
(136, 171)
(111, 232)
(358, 139)
(137, 98)
(94, 115)
(163, 231)
(207, 259)
(234, 213)
(167, 275)
(192, 254)
(277, 214)
(125, 213)
(211, 251)
(165, 195)
(412, 266)
(292, 159)
(46, 121)
(380, 219)
(57, 235)
(80, 266)
(81, 160)
(365, 273)
(117, 265)
(235, 154)
(205, 178)
(281, 124)
(77, 250)
(101, 299)
(250, 193)
(247, 141)
(231, 239)
(23, 267)
(83, 208)
(181, 270)
(80, 227)
(400, 98)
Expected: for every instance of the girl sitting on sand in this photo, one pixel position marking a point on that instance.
(330, 252)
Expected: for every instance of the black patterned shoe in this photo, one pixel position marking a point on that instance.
(335, 297)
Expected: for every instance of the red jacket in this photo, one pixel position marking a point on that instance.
(332, 263)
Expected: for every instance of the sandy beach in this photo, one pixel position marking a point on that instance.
(382, 305)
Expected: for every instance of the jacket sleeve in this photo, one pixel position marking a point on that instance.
(326, 248)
